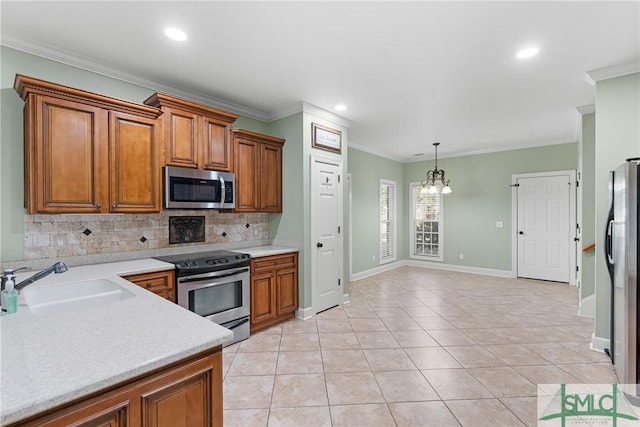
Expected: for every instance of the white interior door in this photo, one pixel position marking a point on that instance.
(544, 227)
(326, 224)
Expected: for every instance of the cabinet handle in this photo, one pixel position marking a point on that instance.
(319, 245)
(148, 284)
(98, 206)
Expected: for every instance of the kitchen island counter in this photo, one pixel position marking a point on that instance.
(51, 359)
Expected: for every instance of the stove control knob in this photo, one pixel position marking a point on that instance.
(193, 264)
(237, 256)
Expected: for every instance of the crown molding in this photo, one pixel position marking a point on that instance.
(428, 157)
(613, 71)
(376, 152)
(324, 114)
(93, 66)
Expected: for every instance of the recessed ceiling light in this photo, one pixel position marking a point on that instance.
(341, 107)
(527, 53)
(175, 34)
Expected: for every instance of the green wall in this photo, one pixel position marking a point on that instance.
(588, 183)
(288, 226)
(366, 171)
(617, 138)
(481, 196)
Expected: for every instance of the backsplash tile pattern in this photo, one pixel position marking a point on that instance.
(63, 236)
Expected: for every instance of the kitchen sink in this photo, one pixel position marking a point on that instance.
(73, 295)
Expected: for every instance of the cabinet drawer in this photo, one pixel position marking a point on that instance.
(161, 283)
(273, 261)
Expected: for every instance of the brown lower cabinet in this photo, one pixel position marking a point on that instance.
(161, 283)
(274, 289)
(184, 394)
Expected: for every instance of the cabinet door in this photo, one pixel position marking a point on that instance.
(262, 294)
(217, 146)
(271, 178)
(181, 137)
(64, 146)
(247, 175)
(187, 397)
(286, 290)
(134, 164)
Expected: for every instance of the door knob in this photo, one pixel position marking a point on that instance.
(319, 245)
(520, 232)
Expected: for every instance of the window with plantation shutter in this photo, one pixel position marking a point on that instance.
(426, 224)
(387, 221)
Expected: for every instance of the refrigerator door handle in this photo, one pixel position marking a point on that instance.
(609, 244)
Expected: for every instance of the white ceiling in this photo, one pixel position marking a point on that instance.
(411, 73)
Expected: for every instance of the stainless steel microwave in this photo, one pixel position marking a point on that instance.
(186, 188)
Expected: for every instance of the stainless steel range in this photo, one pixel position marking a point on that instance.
(215, 285)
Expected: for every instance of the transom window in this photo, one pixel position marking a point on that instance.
(426, 224)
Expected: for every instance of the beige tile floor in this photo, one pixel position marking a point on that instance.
(415, 347)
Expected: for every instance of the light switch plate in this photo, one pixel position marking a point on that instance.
(499, 224)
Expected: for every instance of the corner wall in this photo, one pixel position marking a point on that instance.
(617, 138)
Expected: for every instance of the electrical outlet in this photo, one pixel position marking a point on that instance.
(60, 243)
(373, 258)
(461, 256)
(499, 224)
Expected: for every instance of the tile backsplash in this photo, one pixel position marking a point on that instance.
(64, 236)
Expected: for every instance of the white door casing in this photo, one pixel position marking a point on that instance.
(326, 236)
(544, 226)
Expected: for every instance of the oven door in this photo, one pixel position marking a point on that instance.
(221, 296)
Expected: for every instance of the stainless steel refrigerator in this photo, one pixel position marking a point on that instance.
(621, 254)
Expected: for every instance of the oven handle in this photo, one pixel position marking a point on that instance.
(236, 323)
(209, 276)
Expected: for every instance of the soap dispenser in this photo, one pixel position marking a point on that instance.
(9, 296)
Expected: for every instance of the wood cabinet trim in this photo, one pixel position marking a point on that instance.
(257, 137)
(28, 85)
(159, 100)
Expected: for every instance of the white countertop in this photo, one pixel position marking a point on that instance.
(260, 251)
(48, 360)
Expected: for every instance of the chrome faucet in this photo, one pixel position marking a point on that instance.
(10, 272)
(57, 268)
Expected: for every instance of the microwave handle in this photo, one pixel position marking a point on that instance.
(223, 190)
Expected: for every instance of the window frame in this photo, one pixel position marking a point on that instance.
(413, 188)
(393, 209)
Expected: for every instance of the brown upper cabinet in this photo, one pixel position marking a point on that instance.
(88, 153)
(258, 169)
(195, 136)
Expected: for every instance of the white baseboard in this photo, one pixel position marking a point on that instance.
(587, 306)
(427, 264)
(376, 270)
(305, 313)
(459, 268)
(599, 344)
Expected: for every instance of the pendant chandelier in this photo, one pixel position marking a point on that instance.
(435, 181)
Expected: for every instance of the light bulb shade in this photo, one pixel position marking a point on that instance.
(435, 182)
